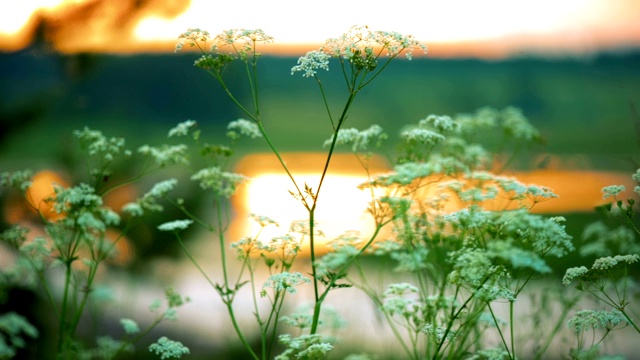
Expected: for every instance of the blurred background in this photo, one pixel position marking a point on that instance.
(573, 67)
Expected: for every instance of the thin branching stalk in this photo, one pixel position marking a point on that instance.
(454, 316)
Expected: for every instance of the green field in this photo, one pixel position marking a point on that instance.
(582, 105)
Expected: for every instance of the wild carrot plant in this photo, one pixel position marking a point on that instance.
(77, 241)
(465, 237)
(362, 55)
(463, 233)
(610, 280)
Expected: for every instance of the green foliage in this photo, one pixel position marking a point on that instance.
(463, 240)
(13, 330)
(77, 242)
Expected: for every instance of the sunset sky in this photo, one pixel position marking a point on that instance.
(454, 27)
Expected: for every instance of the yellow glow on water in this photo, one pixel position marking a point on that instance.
(341, 207)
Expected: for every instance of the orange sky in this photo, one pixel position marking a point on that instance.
(488, 28)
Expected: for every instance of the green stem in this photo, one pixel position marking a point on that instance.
(193, 261)
(367, 289)
(47, 290)
(343, 117)
(326, 102)
(559, 323)
(193, 217)
(127, 182)
(65, 333)
(221, 241)
(85, 298)
(62, 328)
(139, 336)
(282, 162)
(629, 320)
(318, 304)
(274, 328)
(512, 353)
(318, 300)
(236, 327)
(454, 316)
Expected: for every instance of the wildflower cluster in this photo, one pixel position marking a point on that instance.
(99, 145)
(242, 41)
(243, 127)
(358, 52)
(20, 180)
(168, 349)
(149, 201)
(83, 235)
(303, 347)
(166, 155)
(343, 250)
(222, 183)
(312, 62)
(284, 281)
(466, 236)
(362, 45)
(601, 240)
(182, 129)
(585, 320)
(600, 270)
(192, 37)
(612, 191)
(457, 225)
(224, 48)
(14, 328)
(510, 122)
(175, 225)
(516, 124)
(359, 140)
(593, 320)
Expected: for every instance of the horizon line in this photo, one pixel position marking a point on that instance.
(483, 49)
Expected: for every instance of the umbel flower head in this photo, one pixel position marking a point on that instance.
(239, 42)
(361, 47)
(600, 269)
(360, 41)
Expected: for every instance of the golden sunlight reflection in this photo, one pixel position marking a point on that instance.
(458, 27)
(38, 205)
(41, 193)
(343, 207)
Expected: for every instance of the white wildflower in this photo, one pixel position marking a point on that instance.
(423, 136)
(221, 182)
(573, 273)
(311, 62)
(612, 190)
(608, 262)
(359, 140)
(166, 155)
(244, 127)
(175, 225)
(442, 123)
(182, 128)
(284, 281)
(130, 326)
(168, 348)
